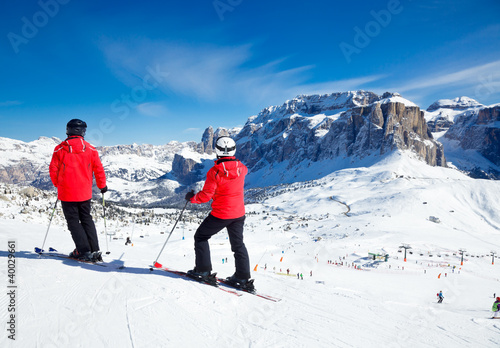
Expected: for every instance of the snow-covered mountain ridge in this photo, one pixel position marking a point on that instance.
(460, 103)
(281, 144)
(305, 138)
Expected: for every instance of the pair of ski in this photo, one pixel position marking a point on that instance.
(233, 290)
(54, 253)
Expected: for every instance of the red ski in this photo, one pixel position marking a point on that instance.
(185, 275)
(267, 297)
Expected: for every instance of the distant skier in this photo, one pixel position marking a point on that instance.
(73, 165)
(128, 241)
(224, 186)
(496, 309)
(440, 297)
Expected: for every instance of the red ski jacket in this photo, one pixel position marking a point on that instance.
(74, 161)
(224, 185)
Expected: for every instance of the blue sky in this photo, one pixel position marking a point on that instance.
(156, 71)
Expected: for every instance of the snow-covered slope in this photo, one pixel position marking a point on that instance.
(323, 229)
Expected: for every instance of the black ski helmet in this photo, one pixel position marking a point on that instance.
(76, 127)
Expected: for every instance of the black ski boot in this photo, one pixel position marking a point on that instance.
(86, 256)
(97, 256)
(243, 284)
(75, 254)
(204, 277)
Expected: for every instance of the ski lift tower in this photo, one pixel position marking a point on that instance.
(493, 257)
(405, 247)
(462, 251)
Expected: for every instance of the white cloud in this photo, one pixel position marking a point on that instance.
(152, 109)
(480, 82)
(213, 73)
(10, 103)
(338, 86)
(474, 76)
(192, 130)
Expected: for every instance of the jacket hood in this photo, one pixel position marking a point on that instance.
(229, 167)
(74, 144)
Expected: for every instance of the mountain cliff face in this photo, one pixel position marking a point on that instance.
(468, 131)
(479, 132)
(334, 127)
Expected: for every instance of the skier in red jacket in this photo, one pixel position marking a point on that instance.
(74, 163)
(224, 186)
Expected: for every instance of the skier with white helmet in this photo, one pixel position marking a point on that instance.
(224, 185)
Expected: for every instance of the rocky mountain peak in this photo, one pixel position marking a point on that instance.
(332, 128)
(209, 137)
(460, 103)
(310, 105)
(441, 115)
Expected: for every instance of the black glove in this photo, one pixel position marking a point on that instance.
(189, 195)
(104, 189)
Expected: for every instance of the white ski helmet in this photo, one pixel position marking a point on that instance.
(225, 147)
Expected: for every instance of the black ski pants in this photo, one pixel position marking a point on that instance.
(212, 225)
(81, 225)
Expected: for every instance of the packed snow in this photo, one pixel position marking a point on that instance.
(324, 233)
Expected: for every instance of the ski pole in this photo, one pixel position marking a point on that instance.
(173, 228)
(105, 231)
(50, 221)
